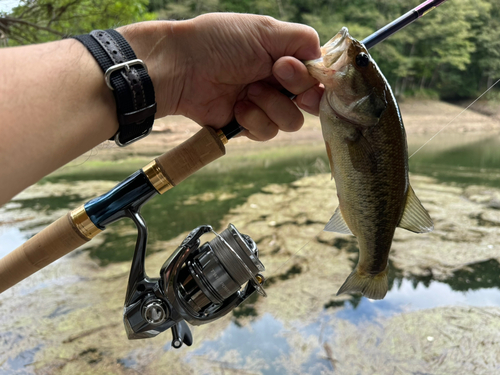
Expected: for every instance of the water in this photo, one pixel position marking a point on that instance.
(468, 163)
(204, 198)
(264, 343)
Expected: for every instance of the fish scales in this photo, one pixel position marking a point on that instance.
(372, 199)
(366, 145)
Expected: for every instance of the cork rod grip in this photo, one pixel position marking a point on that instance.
(182, 161)
(53, 242)
(74, 229)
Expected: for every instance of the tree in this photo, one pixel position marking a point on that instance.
(453, 51)
(35, 21)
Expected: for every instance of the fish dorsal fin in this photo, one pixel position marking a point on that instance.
(415, 216)
(337, 224)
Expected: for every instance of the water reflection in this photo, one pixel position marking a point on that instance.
(475, 276)
(210, 194)
(476, 162)
(476, 285)
(405, 297)
(267, 338)
(10, 238)
(203, 198)
(19, 363)
(262, 340)
(257, 341)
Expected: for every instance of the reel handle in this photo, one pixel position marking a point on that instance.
(76, 228)
(181, 334)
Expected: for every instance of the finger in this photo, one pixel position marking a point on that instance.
(309, 100)
(278, 107)
(293, 75)
(289, 39)
(259, 126)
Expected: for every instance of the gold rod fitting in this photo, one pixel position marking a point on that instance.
(427, 11)
(155, 175)
(83, 223)
(222, 137)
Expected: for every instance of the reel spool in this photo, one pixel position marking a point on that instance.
(197, 284)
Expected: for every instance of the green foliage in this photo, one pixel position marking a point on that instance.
(35, 21)
(423, 94)
(453, 51)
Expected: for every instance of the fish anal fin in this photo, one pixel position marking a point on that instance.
(371, 286)
(337, 224)
(330, 158)
(361, 153)
(415, 217)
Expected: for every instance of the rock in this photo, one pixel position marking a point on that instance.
(305, 266)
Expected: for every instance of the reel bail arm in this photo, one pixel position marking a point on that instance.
(197, 284)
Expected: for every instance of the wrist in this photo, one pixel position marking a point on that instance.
(157, 44)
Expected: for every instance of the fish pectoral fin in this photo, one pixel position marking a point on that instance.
(361, 153)
(330, 158)
(337, 224)
(415, 217)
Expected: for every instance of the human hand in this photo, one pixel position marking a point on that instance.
(217, 67)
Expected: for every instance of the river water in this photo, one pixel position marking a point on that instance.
(456, 160)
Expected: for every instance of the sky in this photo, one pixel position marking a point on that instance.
(7, 5)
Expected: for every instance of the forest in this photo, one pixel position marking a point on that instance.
(452, 54)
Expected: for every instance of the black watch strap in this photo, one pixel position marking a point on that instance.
(128, 77)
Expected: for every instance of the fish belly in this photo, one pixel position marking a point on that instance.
(371, 185)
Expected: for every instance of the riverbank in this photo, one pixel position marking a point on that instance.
(422, 120)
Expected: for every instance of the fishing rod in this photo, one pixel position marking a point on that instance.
(396, 25)
(377, 37)
(198, 283)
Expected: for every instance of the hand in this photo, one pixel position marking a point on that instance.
(217, 67)
(211, 69)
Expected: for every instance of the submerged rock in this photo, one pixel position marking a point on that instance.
(71, 311)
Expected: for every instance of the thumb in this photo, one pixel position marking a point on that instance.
(289, 39)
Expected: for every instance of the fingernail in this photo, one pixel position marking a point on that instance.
(255, 89)
(311, 98)
(285, 72)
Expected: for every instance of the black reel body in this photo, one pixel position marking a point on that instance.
(197, 284)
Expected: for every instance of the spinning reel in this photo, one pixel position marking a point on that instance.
(197, 284)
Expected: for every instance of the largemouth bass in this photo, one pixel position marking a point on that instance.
(366, 144)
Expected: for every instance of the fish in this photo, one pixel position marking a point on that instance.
(366, 145)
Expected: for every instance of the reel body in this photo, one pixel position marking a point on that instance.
(197, 284)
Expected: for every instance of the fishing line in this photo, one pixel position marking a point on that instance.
(449, 123)
(294, 254)
(434, 136)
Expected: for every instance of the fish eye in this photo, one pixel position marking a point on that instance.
(362, 59)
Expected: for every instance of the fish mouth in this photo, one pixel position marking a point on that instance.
(332, 51)
(336, 46)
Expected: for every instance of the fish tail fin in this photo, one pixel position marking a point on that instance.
(371, 286)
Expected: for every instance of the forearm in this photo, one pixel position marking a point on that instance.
(54, 106)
